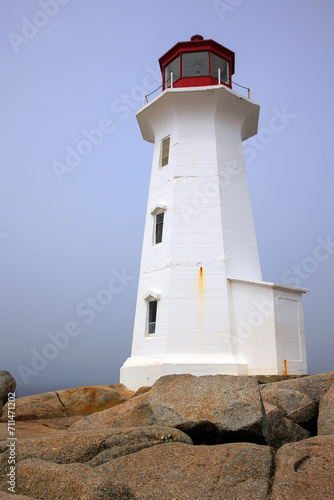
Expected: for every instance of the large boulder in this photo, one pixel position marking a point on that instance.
(144, 449)
(142, 390)
(326, 412)
(133, 413)
(210, 409)
(37, 406)
(312, 385)
(295, 405)
(180, 471)
(47, 481)
(7, 385)
(69, 402)
(169, 471)
(35, 428)
(304, 470)
(87, 400)
(281, 429)
(220, 406)
(127, 441)
(92, 447)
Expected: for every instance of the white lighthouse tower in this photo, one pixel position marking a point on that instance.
(202, 306)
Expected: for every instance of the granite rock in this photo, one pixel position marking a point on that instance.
(213, 409)
(93, 447)
(281, 429)
(25, 429)
(143, 449)
(133, 413)
(11, 496)
(7, 385)
(142, 390)
(70, 402)
(48, 481)
(180, 471)
(36, 407)
(304, 470)
(295, 405)
(326, 412)
(87, 400)
(312, 385)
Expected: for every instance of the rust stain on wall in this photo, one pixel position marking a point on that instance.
(201, 289)
(201, 295)
(285, 369)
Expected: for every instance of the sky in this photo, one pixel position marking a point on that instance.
(75, 170)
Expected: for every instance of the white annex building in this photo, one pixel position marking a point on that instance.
(202, 306)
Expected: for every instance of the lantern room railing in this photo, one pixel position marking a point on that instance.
(249, 90)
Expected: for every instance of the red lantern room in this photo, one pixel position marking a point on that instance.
(197, 63)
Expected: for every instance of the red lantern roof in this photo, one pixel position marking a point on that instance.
(197, 63)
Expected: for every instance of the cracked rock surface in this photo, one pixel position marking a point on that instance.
(69, 402)
(186, 438)
(304, 470)
(211, 409)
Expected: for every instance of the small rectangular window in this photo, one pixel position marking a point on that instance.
(159, 223)
(165, 151)
(152, 316)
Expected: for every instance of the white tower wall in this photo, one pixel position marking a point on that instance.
(208, 241)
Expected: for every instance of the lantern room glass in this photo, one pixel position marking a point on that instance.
(216, 63)
(173, 67)
(199, 64)
(195, 64)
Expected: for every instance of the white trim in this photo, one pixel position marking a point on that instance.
(267, 284)
(158, 208)
(152, 295)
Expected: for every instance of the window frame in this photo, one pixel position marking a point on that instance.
(151, 296)
(162, 156)
(148, 313)
(158, 209)
(158, 224)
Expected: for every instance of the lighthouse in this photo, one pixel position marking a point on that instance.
(202, 305)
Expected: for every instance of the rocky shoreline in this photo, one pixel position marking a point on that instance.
(210, 437)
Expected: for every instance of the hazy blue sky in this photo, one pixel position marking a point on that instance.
(70, 224)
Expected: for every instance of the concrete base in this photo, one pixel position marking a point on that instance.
(145, 370)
